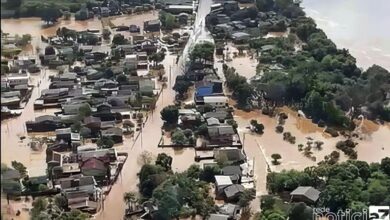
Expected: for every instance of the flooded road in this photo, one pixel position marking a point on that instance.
(114, 207)
(12, 148)
(358, 25)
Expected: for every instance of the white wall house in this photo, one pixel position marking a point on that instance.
(216, 101)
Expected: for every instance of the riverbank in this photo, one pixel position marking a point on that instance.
(357, 25)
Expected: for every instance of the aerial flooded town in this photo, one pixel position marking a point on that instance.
(195, 109)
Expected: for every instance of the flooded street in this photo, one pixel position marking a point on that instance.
(12, 148)
(151, 133)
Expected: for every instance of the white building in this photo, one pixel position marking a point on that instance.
(18, 79)
(131, 61)
(216, 101)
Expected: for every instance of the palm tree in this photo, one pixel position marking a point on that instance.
(130, 199)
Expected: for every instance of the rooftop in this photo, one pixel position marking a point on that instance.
(223, 180)
(307, 191)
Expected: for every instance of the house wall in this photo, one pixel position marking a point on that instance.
(13, 82)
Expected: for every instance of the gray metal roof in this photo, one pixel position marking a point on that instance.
(233, 190)
(218, 217)
(212, 121)
(306, 191)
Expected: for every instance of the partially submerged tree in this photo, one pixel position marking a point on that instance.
(179, 138)
(245, 198)
(130, 198)
(157, 57)
(50, 13)
(105, 142)
(164, 161)
(20, 168)
(170, 114)
(275, 158)
(203, 52)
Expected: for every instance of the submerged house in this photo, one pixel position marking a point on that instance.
(152, 25)
(45, 123)
(114, 133)
(207, 88)
(221, 134)
(98, 168)
(216, 101)
(17, 79)
(240, 37)
(232, 154)
(11, 99)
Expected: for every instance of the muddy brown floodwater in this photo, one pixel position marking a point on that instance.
(114, 207)
(244, 64)
(374, 145)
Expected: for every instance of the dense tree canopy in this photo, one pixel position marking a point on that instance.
(50, 13)
(352, 183)
(170, 114)
(203, 52)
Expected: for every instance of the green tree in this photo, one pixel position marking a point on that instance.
(209, 172)
(385, 165)
(150, 177)
(181, 87)
(203, 52)
(299, 211)
(164, 161)
(85, 111)
(267, 202)
(49, 50)
(122, 79)
(20, 168)
(106, 34)
(202, 130)
(168, 21)
(105, 142)
(82, 14)
(246, 197)
(194, 171)
(378, 192)
(170, 114)
(85, 132)
(265, 5)
(50, 13)
(157, 57)
(39, 205)
(130, 198)
(179, 138)
(243, 93)
(119, 39)
(12, 4)
(275, 158)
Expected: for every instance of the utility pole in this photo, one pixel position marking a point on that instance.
(141, 135)
(170, 76)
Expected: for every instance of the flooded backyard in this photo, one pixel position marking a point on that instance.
(372, 148)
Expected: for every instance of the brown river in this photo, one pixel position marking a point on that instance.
(374, 146)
